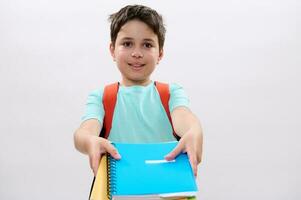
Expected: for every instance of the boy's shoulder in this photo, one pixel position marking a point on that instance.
(174, 86)
(97, 91)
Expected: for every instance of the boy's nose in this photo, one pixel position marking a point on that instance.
(137, 54)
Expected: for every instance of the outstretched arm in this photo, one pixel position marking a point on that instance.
(87, 141)
(188, 127)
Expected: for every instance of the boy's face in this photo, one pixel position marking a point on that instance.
(136, 52)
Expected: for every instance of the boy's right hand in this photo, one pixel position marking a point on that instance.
(98, 146)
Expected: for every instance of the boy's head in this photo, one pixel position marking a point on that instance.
(137, 38)
(138, 12)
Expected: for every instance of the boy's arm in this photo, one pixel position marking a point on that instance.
(188, 127)
(87, 141)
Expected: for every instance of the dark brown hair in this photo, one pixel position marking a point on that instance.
(139, 12)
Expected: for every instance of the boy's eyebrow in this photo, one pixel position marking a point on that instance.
(127, 38)
(146, 39)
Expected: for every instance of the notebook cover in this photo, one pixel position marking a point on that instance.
(135, 175)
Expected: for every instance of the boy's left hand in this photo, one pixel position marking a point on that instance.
(191, 142)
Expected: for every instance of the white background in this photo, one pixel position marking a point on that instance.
(239, 62)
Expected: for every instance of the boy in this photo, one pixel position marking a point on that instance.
(137, 39)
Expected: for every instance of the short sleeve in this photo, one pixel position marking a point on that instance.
(94, 107)
(178, 97)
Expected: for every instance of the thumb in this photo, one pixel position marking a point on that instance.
(112, 150)
(176, 151)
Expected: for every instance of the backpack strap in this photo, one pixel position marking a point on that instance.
(163, 90)
(109, 101)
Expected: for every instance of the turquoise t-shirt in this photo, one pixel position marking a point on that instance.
(139, 115)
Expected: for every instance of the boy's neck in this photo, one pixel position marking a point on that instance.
(132, 83)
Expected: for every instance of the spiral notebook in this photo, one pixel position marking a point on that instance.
(142, 173)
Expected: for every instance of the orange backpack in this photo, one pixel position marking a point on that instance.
(109, 101)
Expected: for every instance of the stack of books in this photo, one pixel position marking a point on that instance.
(143, 173)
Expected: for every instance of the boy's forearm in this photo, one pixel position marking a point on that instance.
(87, 131)
(81, 140)
(192, 125)
(185, 121)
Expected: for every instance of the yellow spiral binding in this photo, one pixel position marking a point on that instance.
(111, 169)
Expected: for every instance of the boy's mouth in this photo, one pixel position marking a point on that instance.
(136, 65)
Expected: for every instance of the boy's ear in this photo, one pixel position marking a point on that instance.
(112, 48)
(161, 53)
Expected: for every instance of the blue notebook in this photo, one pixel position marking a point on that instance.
(143, 172)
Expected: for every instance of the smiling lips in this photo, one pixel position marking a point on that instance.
(136, 66)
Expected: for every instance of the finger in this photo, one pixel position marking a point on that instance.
(112, 150)
(199, 159)
(94, 160)
(193, 161)
(199, 154)
(176, 151)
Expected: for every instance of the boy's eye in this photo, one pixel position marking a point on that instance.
(148, 45)
(127, 44)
